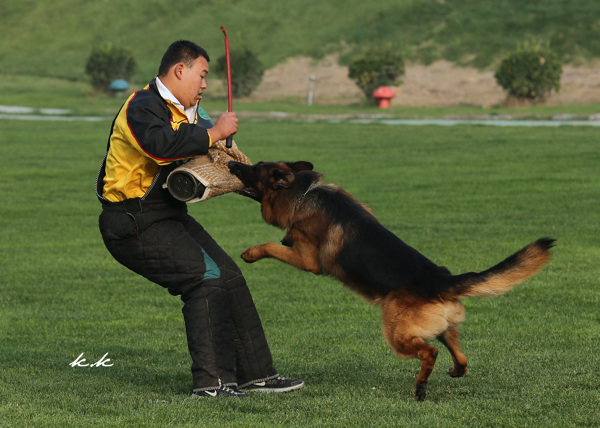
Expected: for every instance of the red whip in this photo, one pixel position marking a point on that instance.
(229, 95)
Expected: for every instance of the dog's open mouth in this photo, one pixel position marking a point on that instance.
(250, 193)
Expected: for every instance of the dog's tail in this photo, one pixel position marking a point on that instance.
(505, 275)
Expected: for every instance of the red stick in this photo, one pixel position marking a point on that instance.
(229, 93)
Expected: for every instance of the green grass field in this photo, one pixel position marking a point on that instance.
(466, 196)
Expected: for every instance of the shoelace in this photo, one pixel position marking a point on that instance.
(230, 390)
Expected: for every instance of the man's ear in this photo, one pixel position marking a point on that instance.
(282, 179)
(178, 70)
(300, 166)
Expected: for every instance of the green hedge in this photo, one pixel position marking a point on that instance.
(107, 63)
(531, 74)
(246, 71)
(378, 67)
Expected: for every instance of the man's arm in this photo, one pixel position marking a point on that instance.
(150, 124)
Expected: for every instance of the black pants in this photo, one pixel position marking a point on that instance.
(167, 246)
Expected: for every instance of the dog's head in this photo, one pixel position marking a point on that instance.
(263, 177)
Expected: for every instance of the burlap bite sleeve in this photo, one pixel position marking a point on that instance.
(211, 171)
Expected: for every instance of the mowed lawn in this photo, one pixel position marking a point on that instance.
(465, 196)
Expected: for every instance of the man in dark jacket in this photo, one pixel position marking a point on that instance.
(151, 233)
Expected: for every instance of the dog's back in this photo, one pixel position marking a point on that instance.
(370, 258)
(374, 262)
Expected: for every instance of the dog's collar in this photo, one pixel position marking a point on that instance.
(312, 186)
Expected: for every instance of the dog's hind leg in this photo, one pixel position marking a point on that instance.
(408, 322)
(416, 347)
(427, 354)
(450, 339)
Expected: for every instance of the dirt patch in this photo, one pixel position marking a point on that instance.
(439, 84)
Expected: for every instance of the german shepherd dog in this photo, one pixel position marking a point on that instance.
(329, 232)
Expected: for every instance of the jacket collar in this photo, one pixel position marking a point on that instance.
(157, 86)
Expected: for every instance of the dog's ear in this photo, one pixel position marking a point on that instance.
(300, 166)
(282, 179)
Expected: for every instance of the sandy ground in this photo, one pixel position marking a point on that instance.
(439, 84)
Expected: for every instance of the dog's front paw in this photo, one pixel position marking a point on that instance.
(251, 255)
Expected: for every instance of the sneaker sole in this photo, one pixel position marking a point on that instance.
(196, 396)
(288, 389)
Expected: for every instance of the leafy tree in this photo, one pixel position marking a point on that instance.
(107, 63)
(530, 73)
(246, 71)
(383, 66)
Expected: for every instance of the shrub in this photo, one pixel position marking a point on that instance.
(530, 74)
(107, 63)
(246, 71)
(378, 67)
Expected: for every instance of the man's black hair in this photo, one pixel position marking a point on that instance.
(181, 51)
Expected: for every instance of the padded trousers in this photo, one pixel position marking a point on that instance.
(225, 337)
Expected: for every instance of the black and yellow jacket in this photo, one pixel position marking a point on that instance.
(148, 136)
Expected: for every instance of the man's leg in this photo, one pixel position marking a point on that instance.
(254, 361)
(166, 254)
(210, 336)
(255, 369)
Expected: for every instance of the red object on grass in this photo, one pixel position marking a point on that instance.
(229, 94)
(384, 94)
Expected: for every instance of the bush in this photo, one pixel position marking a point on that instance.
(530, 74)
(378, 67)
(246, 71)
(107, 63)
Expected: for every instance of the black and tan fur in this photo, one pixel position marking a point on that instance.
(329, 232)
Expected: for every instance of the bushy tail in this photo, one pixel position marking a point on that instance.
(505, 275)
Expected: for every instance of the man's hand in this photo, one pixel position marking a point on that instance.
(227, 125)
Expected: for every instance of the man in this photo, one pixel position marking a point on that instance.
(150, 232)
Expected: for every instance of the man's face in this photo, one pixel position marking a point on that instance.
(194, 82)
